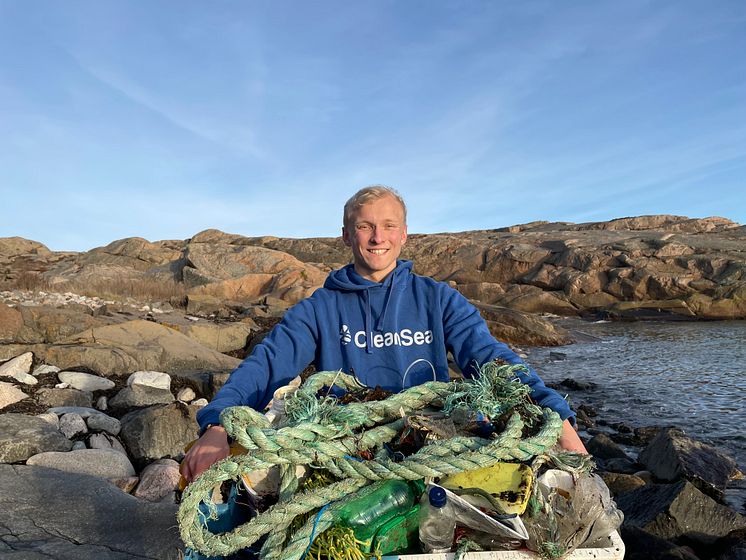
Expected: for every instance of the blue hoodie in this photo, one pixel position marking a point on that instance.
(395, 334)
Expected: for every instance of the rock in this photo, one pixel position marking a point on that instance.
(199, 403)
(577, 385)
(18, 368)
(672, 511)
(104, 423)
(139, 396)
(10, 323)
(48, 324)
(9, 394)
(603, 447)
(51, 418)
(69, 516)
(515, 327)
(621, 465)
(557, 356)
(138, 346)
(105, 441)
(125, 484)
(102, 403)
(221, 337)
(44, 368)
(22, 436)
(78, 445)
(620, 483)
(158, 480)
(730, 547)
(85, 412)
(158, 432)
(641, 545)
(52, 398)
(672, 455)
(154, 379)
(72, 425)
(104, 463)
(186, 395)
(85, 381)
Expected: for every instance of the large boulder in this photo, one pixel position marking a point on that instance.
(159, 431)
(52, 514)
(22, 436)
(671, 455)
(221, 337)
(673, 511)
(136, 345)
(11, 322)
(10, 394)
(104, 463)
(515, 327)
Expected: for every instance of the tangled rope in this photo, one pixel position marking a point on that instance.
(327, 435)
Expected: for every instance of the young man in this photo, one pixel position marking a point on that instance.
(374, 319)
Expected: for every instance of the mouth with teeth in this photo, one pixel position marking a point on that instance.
(377, 251)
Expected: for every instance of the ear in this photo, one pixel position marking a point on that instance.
(346, 237)
(404, 235)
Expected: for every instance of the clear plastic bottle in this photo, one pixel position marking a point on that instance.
(437, 522)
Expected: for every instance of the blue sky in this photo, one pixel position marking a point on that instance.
(161, 119)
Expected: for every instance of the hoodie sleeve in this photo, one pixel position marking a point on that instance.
(471, 343)
(283, 354)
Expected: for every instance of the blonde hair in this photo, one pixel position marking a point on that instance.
(368, 194)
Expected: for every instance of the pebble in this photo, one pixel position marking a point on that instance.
(102, 403)
(186, 395)
(104, 423)
(44, 368)
(105, 441)
(200, 402)
(158, 480)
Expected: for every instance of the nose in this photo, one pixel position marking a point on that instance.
(377, 235)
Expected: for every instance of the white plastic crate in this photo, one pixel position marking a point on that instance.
(615, 551)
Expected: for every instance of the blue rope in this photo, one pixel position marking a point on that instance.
(313, 531)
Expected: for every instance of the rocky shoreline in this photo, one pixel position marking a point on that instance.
(98, 392)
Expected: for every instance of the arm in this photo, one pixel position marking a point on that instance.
(470, 342)
(274, 362)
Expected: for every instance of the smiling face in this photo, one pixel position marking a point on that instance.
(376, 232)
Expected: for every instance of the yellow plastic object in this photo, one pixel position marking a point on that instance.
(509, 484)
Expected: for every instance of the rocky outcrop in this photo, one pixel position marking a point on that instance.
(48, 513)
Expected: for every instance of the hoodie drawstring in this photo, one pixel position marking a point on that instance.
(368, 333)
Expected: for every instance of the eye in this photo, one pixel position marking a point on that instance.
(391, 227)
(363, 227)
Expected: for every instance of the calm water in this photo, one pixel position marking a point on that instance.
(688, 375)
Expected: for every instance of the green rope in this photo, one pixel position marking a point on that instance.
(322, 433)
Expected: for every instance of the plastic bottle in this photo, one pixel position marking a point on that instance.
(375, 507)
(438, 521)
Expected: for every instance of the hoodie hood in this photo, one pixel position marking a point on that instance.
(346, 279)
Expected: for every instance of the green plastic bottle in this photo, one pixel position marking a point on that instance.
(377, 504)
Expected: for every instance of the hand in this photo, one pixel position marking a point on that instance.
(207, 450)
(569, 440)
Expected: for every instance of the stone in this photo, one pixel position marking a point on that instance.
(139, 396)
(72, 425)
(18, 368)
(45, 368)
(22, 436)
(104, 423)
(622, 465)
(620, 483)
(200, 403)
(102, 403)
(186, 394)
(222, 337)
(603, 447)
(672, 455)
(10, 394)
(52, 398)
(673, 511)
(154, 379)
(641, 545)
(78, 445)
(158, 480)
(104, 463)
(106, 441)
(85, 381)
(51, 418)
(158, 432)
(126, 484)
(68, 516)
(85, 412)
(11, 323)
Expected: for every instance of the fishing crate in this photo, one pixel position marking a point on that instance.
(614, 551)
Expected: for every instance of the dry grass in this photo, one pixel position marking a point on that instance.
(143, 290)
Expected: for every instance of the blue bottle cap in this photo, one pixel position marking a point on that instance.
(437, 497)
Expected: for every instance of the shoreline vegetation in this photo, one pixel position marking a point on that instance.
(105, 357)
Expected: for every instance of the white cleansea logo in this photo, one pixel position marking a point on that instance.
(405, 337)
(344, 334)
